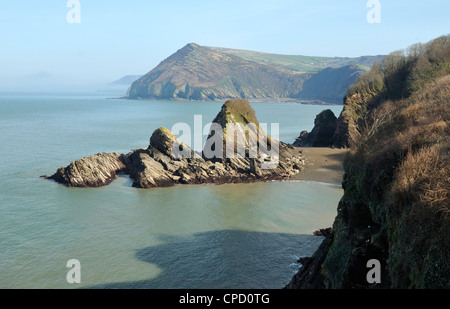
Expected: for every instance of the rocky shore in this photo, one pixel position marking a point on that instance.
(158, 165)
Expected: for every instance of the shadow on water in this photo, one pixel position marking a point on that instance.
(223, 259)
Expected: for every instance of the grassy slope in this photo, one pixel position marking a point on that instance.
(301, 63)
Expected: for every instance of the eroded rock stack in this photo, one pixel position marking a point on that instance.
(167, 161)
(322, 133)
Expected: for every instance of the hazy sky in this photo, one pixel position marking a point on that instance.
(115, 38)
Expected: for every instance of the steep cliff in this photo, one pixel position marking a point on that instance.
(331, 84)
(395, 207)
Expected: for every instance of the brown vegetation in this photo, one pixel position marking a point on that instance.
(395, 208)
(397, 77)
(398, 183)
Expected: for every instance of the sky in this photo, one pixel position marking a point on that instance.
(43, 44)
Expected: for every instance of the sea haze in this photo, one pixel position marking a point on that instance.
(203, 236)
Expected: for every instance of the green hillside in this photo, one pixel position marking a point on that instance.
(301, 63)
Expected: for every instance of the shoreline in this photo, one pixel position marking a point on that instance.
(261, 100)
(322, 164)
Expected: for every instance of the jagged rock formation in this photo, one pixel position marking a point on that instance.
(202, 73)
(167, 161)
(93, 171)
(322, 133)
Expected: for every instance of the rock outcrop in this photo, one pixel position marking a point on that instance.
(93, 171)
(322, 133)
(168, 161)
(310, 274)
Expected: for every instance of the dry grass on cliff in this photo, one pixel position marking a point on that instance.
(403, 157)
(422, 178)
(424, 172)
(413, 135)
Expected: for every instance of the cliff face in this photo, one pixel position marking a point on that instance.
(330, 85)
(362, 97)
(167, 161)
(202, 73)
(395, 206)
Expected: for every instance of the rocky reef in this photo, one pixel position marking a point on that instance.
(167, 161)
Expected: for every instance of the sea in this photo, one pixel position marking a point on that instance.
(229, 236)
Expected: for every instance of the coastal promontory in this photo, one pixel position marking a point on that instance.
(197, 72)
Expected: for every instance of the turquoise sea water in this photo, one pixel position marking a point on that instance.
(204, 236)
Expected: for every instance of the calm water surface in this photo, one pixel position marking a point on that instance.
(204, 236)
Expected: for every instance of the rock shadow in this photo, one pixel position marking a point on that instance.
(226, 259)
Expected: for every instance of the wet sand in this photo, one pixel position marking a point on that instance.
(323, 164)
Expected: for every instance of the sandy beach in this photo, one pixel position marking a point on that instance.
(323, 164)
